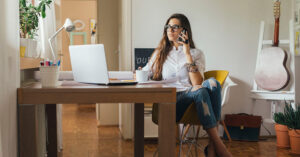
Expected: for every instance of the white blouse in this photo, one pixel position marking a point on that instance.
(175, 67)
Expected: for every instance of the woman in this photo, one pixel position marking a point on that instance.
(177, 59)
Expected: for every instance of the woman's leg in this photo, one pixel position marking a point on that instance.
(204, 107)
(183, 101)
(214, 91)
(218, 144)
(207, 117)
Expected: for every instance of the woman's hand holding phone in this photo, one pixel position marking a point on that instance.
(184, 40)
(183, 37)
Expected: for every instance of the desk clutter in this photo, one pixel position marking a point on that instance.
(68, 75)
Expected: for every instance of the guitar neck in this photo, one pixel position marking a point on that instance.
(276, 33)
(276, 9)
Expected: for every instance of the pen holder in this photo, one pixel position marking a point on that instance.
(49, 76)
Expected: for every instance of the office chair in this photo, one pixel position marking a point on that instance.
(190, 117)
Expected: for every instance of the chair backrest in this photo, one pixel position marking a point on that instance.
(226, 90)
(219, 75)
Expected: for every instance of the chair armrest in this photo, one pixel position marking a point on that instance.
(226, 89)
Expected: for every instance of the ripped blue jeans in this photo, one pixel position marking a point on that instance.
(207, 101)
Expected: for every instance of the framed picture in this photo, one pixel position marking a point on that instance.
(93, 30)
(80, 34)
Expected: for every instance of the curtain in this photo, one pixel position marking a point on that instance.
(47, 29)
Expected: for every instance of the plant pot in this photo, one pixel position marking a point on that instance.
(30, 46)
(295, 140)
(282, 135)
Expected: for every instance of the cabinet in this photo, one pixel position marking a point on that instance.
(107, 114)
(127, 119)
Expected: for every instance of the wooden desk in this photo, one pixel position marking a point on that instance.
(71, 93)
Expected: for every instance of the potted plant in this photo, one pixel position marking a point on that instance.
(293, 122)
(29, 24)
(282, 135)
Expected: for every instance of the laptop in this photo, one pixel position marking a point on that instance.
(89, 65)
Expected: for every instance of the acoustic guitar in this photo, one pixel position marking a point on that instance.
(271, 72)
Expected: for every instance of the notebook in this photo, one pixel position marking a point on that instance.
(89, 65)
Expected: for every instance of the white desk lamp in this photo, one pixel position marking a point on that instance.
(68, 26)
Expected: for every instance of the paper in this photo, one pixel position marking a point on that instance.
(172, 80)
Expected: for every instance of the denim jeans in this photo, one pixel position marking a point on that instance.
(207, 101)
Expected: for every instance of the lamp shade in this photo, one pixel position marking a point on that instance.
(69, 26)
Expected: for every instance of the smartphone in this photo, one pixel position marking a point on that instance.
(179, 38)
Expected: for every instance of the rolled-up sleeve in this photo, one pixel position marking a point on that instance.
(148, 66)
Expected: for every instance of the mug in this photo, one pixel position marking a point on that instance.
(141, 76)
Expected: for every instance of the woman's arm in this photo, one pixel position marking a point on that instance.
(195, 77)
(194, 74)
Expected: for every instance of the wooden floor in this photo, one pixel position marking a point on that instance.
(82, 138)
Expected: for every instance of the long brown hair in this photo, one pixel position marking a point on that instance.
(165, 46)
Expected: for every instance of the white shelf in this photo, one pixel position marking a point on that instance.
(270, 42)
(29, 63)
(268, 95)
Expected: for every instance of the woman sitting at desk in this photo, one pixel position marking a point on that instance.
(177, 57)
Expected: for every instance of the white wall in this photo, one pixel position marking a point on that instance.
(125, 36)
(9, 76)
(227, 32)
(108, 31)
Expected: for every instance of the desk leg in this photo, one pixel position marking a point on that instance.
(27, 120)
(52, 130)
(139, 129)
(166, 130)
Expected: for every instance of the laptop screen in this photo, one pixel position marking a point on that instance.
(89, 63)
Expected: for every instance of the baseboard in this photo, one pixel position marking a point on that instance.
(99, 125)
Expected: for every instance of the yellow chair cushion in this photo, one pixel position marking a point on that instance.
(219, 75)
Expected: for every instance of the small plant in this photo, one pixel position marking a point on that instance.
(292, 116)
(29, 17)
(279, 118)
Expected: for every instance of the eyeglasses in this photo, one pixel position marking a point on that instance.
(174, 27)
